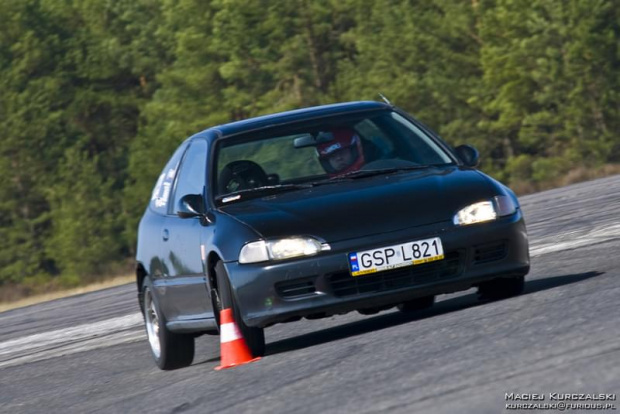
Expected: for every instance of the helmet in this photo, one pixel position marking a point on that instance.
(342, 154)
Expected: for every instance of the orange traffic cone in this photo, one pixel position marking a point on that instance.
(234, 350)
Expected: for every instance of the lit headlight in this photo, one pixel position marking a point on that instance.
(261, 251)
(475, 213)
(499, 206)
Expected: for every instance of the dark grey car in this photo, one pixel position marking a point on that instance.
(317, 212)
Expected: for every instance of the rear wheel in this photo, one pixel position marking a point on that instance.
(170, 350)
(254, 337)
(417, 304)
(501, 288)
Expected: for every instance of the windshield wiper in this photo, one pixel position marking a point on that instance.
(371, 173)
(260, 191)
(275, 189)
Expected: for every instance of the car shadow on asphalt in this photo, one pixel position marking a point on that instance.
(396, 318)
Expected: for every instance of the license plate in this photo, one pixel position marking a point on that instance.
(400, 255)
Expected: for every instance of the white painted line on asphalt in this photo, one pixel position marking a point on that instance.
(574, 239)
(67, 341)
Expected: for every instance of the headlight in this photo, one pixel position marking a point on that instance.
(485, 211)
(475, 213)
(264, 250)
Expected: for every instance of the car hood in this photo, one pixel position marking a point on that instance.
(365, 206)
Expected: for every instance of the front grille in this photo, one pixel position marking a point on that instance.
(343, 284)
(295, 289)
(490, 252)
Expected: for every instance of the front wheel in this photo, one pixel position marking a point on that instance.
(254, 337)
(170, 350)
(501, 288)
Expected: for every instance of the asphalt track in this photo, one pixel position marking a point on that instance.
(88, 354)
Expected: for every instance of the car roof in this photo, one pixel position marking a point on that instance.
(245, 125)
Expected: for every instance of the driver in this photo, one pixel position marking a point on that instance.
(342, 154)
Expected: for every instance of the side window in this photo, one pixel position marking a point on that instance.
(161, 192)
(192, 173)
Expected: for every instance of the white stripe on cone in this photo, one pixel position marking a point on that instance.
(229, 332)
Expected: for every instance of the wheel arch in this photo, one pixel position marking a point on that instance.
(140, 276)
(212, 259)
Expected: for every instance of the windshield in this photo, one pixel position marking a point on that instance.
(315, 151)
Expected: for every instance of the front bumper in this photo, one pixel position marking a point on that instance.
(321, 285)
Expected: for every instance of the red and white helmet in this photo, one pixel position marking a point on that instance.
(343, 139)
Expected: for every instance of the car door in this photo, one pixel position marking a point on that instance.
(149, 252)
(186, 292)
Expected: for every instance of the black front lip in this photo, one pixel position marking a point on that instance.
(261, 305)
(391, 298)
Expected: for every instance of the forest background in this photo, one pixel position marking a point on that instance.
(95, 96)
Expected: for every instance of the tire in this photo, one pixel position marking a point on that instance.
(417, 304)
(254, 337)
(170, 350)
(501, 288)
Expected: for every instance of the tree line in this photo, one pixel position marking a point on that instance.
(95, 96)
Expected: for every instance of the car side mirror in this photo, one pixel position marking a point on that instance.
(191, 205)
(468, 154)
